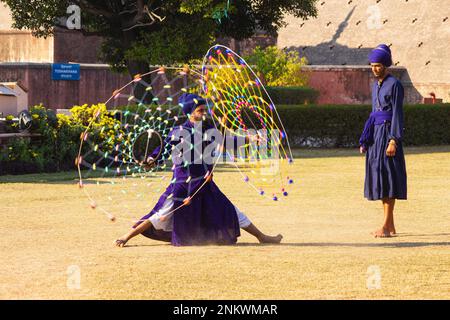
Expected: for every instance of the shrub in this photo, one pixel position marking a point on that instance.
(341, 125)
(59, 141)
(279, 68)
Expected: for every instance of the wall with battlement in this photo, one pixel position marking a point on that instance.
(345, 31)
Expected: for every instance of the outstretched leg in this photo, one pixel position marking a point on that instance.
(248, 226)
(133, 233)
(388, 228)
(262, 238)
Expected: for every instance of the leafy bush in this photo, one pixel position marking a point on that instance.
(9, 125)
(341, 125)
(58, 144)
(280, 68)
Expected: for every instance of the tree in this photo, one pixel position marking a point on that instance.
(141, 32)
(278, 67)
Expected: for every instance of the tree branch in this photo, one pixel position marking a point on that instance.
(139, 24)
(138, 17)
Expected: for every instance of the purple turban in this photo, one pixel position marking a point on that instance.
(381, 54)
(189, 102)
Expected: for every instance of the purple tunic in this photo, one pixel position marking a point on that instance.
(385, 176)
(210, 218)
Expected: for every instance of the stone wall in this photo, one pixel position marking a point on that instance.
(16, 45)
(65, 46)
(345, 31)
(352, 84)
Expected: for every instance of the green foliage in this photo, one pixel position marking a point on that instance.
(9, 125)
(427, 124)
(278, 68)
(181, 40)
(341, 125)
(58, 144)
(292, 95)
(103, 128)
(38, 16)
(193, 6)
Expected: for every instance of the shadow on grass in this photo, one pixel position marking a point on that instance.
(309, 153)
(349, 244)
(423, 235)
(145, 245)
(72, 177)
(314, 244)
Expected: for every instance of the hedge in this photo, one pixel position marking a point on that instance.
(292, 95)
(306, 125)
(341, 125)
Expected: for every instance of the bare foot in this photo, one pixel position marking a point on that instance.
(121, 242)
(270, 239)
(382, 233)
(392, 231)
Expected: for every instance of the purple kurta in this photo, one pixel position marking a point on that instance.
(210, 218)
(385, 176)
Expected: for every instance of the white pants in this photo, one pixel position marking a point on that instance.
(163, 218)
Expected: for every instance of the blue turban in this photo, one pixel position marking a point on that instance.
(189, 102)
(381, 54)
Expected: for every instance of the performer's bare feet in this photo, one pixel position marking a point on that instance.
(382, 233)
(121, 242)
(392, 230)
(269, 239)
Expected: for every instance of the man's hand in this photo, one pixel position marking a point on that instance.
(253, 138)
(147, 164)
(223, 121)
(391, 149)
(362, 149)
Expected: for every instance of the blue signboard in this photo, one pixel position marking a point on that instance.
(65, 71)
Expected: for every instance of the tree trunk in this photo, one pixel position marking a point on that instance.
(140, 67)
(137, 67)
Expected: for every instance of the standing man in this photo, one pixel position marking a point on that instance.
(382, 140)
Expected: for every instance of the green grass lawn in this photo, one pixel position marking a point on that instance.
(51, 235)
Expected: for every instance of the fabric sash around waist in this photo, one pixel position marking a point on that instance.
(380, 117)
(375, 118)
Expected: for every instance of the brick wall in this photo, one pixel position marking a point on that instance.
(72, 46)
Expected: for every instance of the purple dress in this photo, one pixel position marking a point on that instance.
(210, 218)
(385, 176)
